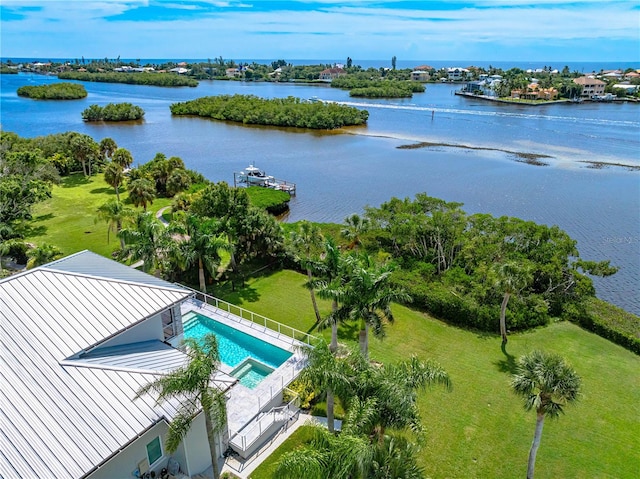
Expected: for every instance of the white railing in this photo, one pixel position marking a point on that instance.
(248, 437)
(255, 318)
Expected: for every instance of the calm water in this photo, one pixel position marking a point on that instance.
(339, 174)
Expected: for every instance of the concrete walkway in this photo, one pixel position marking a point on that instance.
(159, 214)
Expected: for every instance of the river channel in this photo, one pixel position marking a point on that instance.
(339, 173)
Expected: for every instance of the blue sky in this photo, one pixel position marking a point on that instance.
(499, 30)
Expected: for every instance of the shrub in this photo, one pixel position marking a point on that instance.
(54, 91)
(113, 112)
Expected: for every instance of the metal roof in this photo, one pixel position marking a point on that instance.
(89, 263)
(145, 357)
(57, 420)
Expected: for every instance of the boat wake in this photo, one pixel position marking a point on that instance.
(458, 111)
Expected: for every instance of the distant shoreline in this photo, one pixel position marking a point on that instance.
(530, 102)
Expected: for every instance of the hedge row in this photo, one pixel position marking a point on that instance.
(601, 328)
(448, 305)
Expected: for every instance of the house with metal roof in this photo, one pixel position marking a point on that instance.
(78, 338)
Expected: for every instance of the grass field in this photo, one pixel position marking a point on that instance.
(67, 219)
(480, 429)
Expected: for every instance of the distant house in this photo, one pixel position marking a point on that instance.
(420, 75)
(179, 70)
(233, 72)
(331, 73)
(590, 86)
(627, 87)
(79, 336)
(535, 92)
(458, 74)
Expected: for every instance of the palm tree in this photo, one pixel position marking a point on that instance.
(307, 241)
(354, 226)
(342, 456)
(85, 149)
(114, 176)
(147, 241)
(512, 278)
(331, 285)
(107, 147)
(395, 458)
(202, 245)
(142, 192)
(122, 157)
(43, 254)
(367, 297)
(114, 213)
(326, 373)
(386, 396)
(546, 383)
(193, 385)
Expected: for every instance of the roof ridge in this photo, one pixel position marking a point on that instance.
(44, 268)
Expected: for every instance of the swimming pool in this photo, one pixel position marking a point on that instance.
(237, 348)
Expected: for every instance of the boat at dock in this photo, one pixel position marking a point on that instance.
(254, 176)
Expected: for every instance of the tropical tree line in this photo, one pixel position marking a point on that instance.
(290, 111)
(382, 430)
(54, 91)
(472, 269)
(209, 222)
(113, 112)
(155, 79)
(361, 86)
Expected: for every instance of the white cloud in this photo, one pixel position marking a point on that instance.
(347, 28)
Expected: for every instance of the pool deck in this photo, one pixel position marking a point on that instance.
(244, 404)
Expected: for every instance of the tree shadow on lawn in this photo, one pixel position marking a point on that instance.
(508, 364)
(75, 180)
(349, 331)
(236, 294)
(103, 191)
(31, 229)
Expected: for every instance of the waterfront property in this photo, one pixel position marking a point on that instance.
(82, 334)
(330, 74)
(254, 176)
(590, 86)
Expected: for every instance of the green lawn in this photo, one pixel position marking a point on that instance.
(480, 428)
(67, 219)
(267, 468)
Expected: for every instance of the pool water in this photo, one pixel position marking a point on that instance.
(236, 348)
(251, 372)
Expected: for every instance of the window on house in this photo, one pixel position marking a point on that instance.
(154, 450)
(168, 324)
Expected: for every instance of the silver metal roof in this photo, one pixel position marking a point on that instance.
(89, 263)
(58, 420)
(153, 357)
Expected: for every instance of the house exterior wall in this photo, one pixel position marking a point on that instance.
(192, 455)
(197, 457)
(145, 331)
(419, 75)
(590, 86)
(122, 465)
